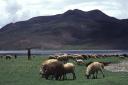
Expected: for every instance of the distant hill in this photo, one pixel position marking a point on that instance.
(74, 29)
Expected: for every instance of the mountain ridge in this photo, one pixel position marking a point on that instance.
(73, 29)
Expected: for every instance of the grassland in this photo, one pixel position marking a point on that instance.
(20, 71)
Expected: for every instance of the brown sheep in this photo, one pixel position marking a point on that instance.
(46, 62)
(85, 57)
(52, 67)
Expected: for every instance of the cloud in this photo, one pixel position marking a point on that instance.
(11, 8)
(19, 10)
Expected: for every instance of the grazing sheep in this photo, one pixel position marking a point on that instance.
(46, 62)
(78, 56)
(52, 57)
(69, 68)
(70, 56)
(93, 56)
(8, 57)
(49, 61)
(52, 67)
(93, 69)
(64, 59)
(80, 61)
(85, 57)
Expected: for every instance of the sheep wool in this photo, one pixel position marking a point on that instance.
(94, 67)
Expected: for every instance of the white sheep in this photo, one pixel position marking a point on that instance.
(69, 68)
(93, 69)
(80, 61)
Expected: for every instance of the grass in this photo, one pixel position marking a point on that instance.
(109, 59)
(20, 71)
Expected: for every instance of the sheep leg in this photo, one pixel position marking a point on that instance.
(88, 76)
(65, 76)
(102, 73)
(46, 77)
(96, 74)
(74, 76)
(56, 76)
(61, 76)
(42, 75)
(93, 75)
(52, 76)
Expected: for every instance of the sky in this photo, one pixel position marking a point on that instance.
(20, 10)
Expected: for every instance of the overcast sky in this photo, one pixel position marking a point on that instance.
(19, 10)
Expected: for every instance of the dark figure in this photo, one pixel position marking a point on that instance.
(29, 54)
(15, 56)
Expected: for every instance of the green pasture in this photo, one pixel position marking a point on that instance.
(20, 71)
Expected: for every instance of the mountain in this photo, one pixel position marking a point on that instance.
(74, 29)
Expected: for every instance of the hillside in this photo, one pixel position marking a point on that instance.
(74, 29)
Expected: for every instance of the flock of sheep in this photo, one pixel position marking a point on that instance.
(57, 67)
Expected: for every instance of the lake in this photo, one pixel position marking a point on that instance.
(51, 52)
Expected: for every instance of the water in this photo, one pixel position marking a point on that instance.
(51, 52)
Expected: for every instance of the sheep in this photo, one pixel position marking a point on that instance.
(8, 57)
(62, 58)
(93, 56)
(78, 56)
(85, 56)
(49, 61)
(93, 69)
(52, 67)
(70, 56)
(56, 69)
(80, 61)
(52, 57)
(46, 62)
(69, 68)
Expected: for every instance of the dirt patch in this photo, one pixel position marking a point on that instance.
(119, 67)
